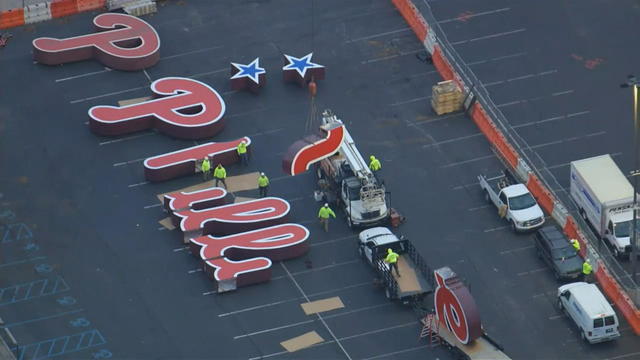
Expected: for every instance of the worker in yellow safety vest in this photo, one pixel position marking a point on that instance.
(263, 184)
(206, 168)
(242, 152)
(576, 244)
(374, 164)
(324, 214)
(220, 174)
(392, 260)
(587, 270)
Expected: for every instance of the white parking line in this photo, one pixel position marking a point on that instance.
(566, 92)
(469, 161)
(402, 53)
(293, 280)
(144, 71)
(106, 69)
(498, 228)
(414, 323)
(191, 52)
(573, 138)
(555, 118)
(129, 162)
(310, 321)
(504, 57)
(334, 240)
(246, 112)
(479, 207)
(152, 206)
(568, 163)
(489, 36)
(555, 317)
(410, 101)
(128, 138)
(397, 352)
(523, 77)
(378, 35)
(452, 140)
(474, 15)
(138, 184)
(532, 271)
(516, 249)
(548, 293)
(445, 117)
(258, 307)
(624, 356)
(318, 269)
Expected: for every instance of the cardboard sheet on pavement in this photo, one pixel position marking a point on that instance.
(167, 223)
(302, 341)
(133, 101)
(236, 183)
(240, 199)
(323, 305)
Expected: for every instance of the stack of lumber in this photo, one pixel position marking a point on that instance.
(446, 97)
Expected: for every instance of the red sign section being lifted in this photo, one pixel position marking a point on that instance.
(122, 42)
(455, 307)
(303, 153)
(183, 108)
(183, 162)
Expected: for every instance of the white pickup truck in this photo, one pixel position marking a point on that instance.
(514, 202)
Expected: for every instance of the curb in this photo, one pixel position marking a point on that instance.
(489, 128)
(47, 10)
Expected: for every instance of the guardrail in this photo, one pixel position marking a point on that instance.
(511, 149)
(46, 10)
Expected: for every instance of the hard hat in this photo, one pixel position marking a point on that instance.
(243, 141)
(389, 250)
(326, 205)
(371, 157)
(261, 174)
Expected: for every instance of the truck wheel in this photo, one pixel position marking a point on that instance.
(360, 252)
(349, 222)
(560, 306)
(616, 253)
(487, 198)
(583, 336)
(583, 215)
(387, 293)
(513, 226)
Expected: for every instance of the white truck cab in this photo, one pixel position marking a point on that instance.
(514, 201)
(590, 310)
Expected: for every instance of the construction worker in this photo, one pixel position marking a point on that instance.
(374, 164)
(586, 271)
(206, 168)
(242, 153)
(576, 244)
(263, 184)
(324, 214)
(392, 260)
(220, 174)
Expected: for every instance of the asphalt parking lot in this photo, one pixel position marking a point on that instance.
(86, 271)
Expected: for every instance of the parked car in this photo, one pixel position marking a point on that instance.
(588, 308)
(555, 249)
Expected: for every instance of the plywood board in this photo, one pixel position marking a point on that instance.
(408, 280)
(133, 101)
(302, 341)
(243, 182)
(201, 186)
(240, 199)
(167, 223)
(323, 305)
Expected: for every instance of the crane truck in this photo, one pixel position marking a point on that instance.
(347, 180)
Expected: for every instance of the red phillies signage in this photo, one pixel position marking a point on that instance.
(122, 42)
(304, 153)
(183, 108)
(455, 306)
(237, 242)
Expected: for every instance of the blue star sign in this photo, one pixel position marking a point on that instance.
(300, 64)
(251, 71)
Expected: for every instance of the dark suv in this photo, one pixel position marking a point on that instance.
(555, 249)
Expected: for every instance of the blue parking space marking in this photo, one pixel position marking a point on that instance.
(31, 290)
(15, 232)
(18, 262)
(61, 345)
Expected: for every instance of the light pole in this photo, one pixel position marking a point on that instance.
(633, 83)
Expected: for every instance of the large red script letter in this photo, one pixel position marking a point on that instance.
(123, 42)
(244, 259)
(185, 108)
(196, 200)
(303, 153)
(183, 162)
(455, 306)
(234, 218)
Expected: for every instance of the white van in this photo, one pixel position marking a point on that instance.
(585, 304)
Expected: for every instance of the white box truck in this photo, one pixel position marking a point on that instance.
(604, 198)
